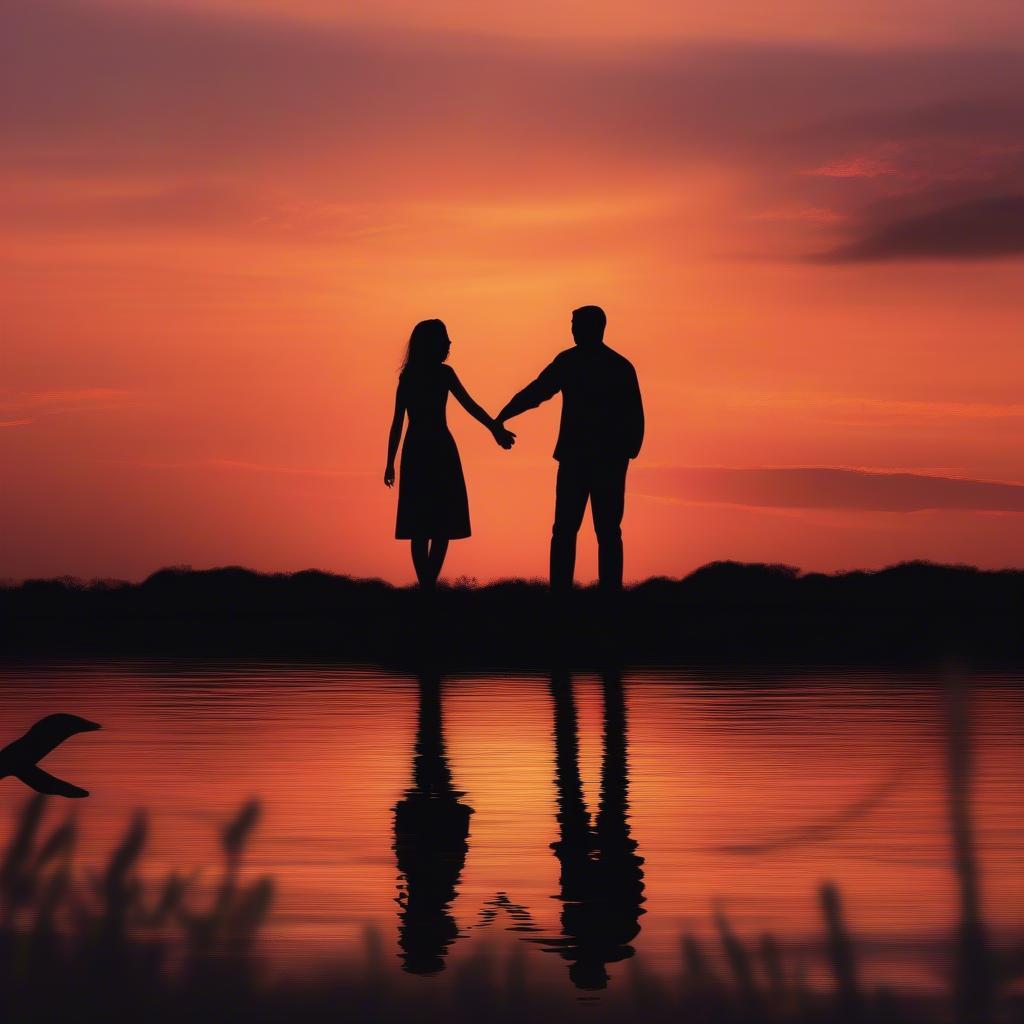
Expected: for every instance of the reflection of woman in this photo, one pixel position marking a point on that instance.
(432, 503)
(431, 842)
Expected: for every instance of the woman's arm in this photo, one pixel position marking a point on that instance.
(504, 437)
(394, 437)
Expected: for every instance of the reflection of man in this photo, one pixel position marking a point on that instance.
(602, 428)
(601, 876)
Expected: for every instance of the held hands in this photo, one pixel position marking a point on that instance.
(504, 437)
(389, 475)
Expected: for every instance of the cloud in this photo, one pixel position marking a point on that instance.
(866, 21)
(58, 400)
(853, 167)
(145, 85)
(225, 207)
(828, 488)
(861, 410)
(158, 116)
(986, 228)
(182, 204)
(261, 467)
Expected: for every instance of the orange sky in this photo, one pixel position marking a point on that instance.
(221, 219)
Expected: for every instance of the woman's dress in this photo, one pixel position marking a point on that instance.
(432, 499)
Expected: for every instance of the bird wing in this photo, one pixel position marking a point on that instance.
(47, 734)
(43, 782)
(19, 758)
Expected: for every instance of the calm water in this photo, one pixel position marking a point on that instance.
(569, 821)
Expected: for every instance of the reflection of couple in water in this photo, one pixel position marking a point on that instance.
(602, 428)
(601, 888)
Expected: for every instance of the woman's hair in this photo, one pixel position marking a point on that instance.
(428, 346)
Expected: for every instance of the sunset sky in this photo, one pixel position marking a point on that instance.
(221, 218)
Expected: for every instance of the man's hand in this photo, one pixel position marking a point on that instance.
(389, 476)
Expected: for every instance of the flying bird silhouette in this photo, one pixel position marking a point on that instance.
(19, 758)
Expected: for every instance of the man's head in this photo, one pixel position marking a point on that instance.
(588, 325)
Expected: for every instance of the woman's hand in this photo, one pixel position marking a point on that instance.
(389, 475)
(505, 438)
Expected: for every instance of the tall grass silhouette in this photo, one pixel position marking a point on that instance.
(105, 944)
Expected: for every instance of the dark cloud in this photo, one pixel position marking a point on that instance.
(90, 83)
(182, 205)
(824, 488)
(990, 107)
(976, 229)
(227, 123)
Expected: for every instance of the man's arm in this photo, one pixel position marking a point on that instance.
(636, 415)
(546, 386)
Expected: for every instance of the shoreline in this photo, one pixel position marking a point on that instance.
(724, 614)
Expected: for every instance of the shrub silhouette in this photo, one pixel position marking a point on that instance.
(722, 612)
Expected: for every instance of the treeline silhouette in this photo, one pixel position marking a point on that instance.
(723, 612)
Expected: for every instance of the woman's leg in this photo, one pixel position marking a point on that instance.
(421, 560)
(438, 550)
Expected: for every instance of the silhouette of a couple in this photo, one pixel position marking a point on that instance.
(602, 428)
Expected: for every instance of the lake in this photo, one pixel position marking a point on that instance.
(580, 825)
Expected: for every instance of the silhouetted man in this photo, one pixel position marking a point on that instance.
(602, 428)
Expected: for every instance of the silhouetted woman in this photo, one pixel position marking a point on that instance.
(432, 504)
